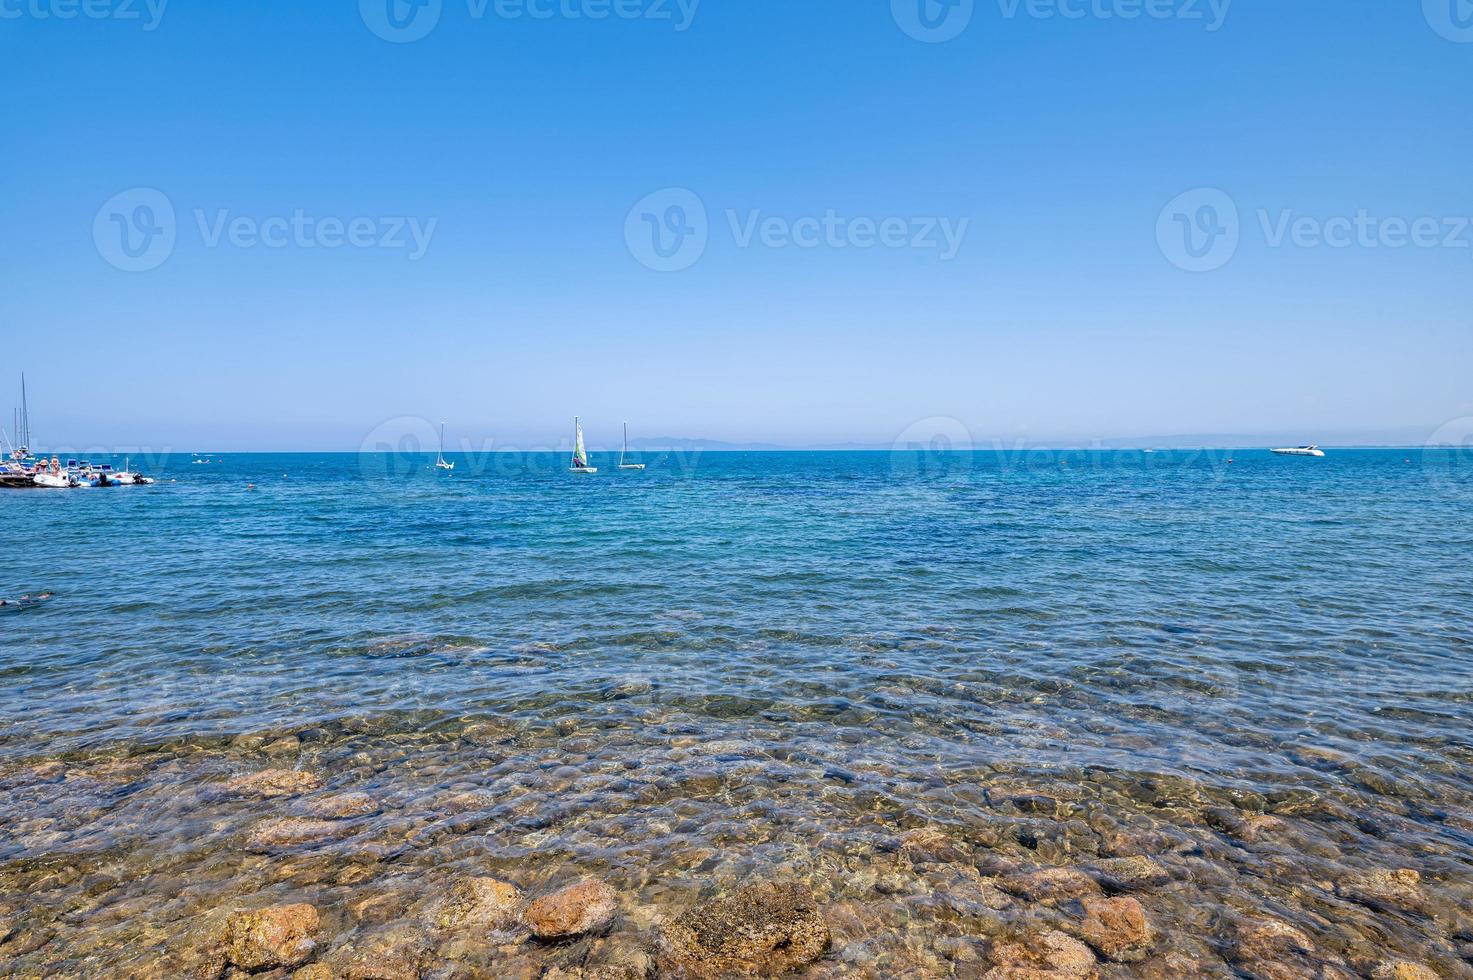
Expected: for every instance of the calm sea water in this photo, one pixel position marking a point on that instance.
(776, 657)
(1175, 606)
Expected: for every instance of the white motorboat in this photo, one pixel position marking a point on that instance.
(624, 453)
(580, 454)
(440, 463)
(53, 481)
(1300, 451)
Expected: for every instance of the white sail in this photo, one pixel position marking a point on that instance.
(580, 454)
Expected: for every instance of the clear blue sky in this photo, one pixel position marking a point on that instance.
(528, 141)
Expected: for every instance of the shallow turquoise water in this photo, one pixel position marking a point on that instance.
(1171, 607)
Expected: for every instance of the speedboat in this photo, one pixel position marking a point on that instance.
(1300, 451)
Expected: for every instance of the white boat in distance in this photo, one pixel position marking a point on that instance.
(1300, 451)
(440, 463)
(580, 455)
(625, 452)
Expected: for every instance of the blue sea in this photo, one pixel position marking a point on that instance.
(735, 662)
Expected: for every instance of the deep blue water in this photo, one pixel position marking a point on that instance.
(1172, 611)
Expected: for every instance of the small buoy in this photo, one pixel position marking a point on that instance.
(250, 486)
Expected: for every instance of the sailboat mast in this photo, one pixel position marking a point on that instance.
(25, 413)
(625, 451)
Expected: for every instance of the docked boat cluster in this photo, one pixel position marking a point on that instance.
(23, 470)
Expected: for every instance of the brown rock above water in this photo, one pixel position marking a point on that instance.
(1117, 928)
(270, 783)
(279, 936)
(481, 903)
(760, 930)
(1048, 955)
(588, 906)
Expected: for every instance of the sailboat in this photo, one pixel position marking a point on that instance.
(440, 463)
(580, 455)
(625, 452)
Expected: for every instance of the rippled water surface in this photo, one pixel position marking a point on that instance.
(1251, 670)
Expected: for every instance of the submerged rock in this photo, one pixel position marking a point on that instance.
(1130, 873)
(393, 953)
(1048, 955)
(314, 971)
(342, 806)
(290, 832)
(1403, 970)
(482, 903)
(1117, 928)
(279, 936)
(588, 906)
(929, 844)
(1383, 890)
(1051, 885)
(270, 783)
(1272, 948)
(763, 929)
